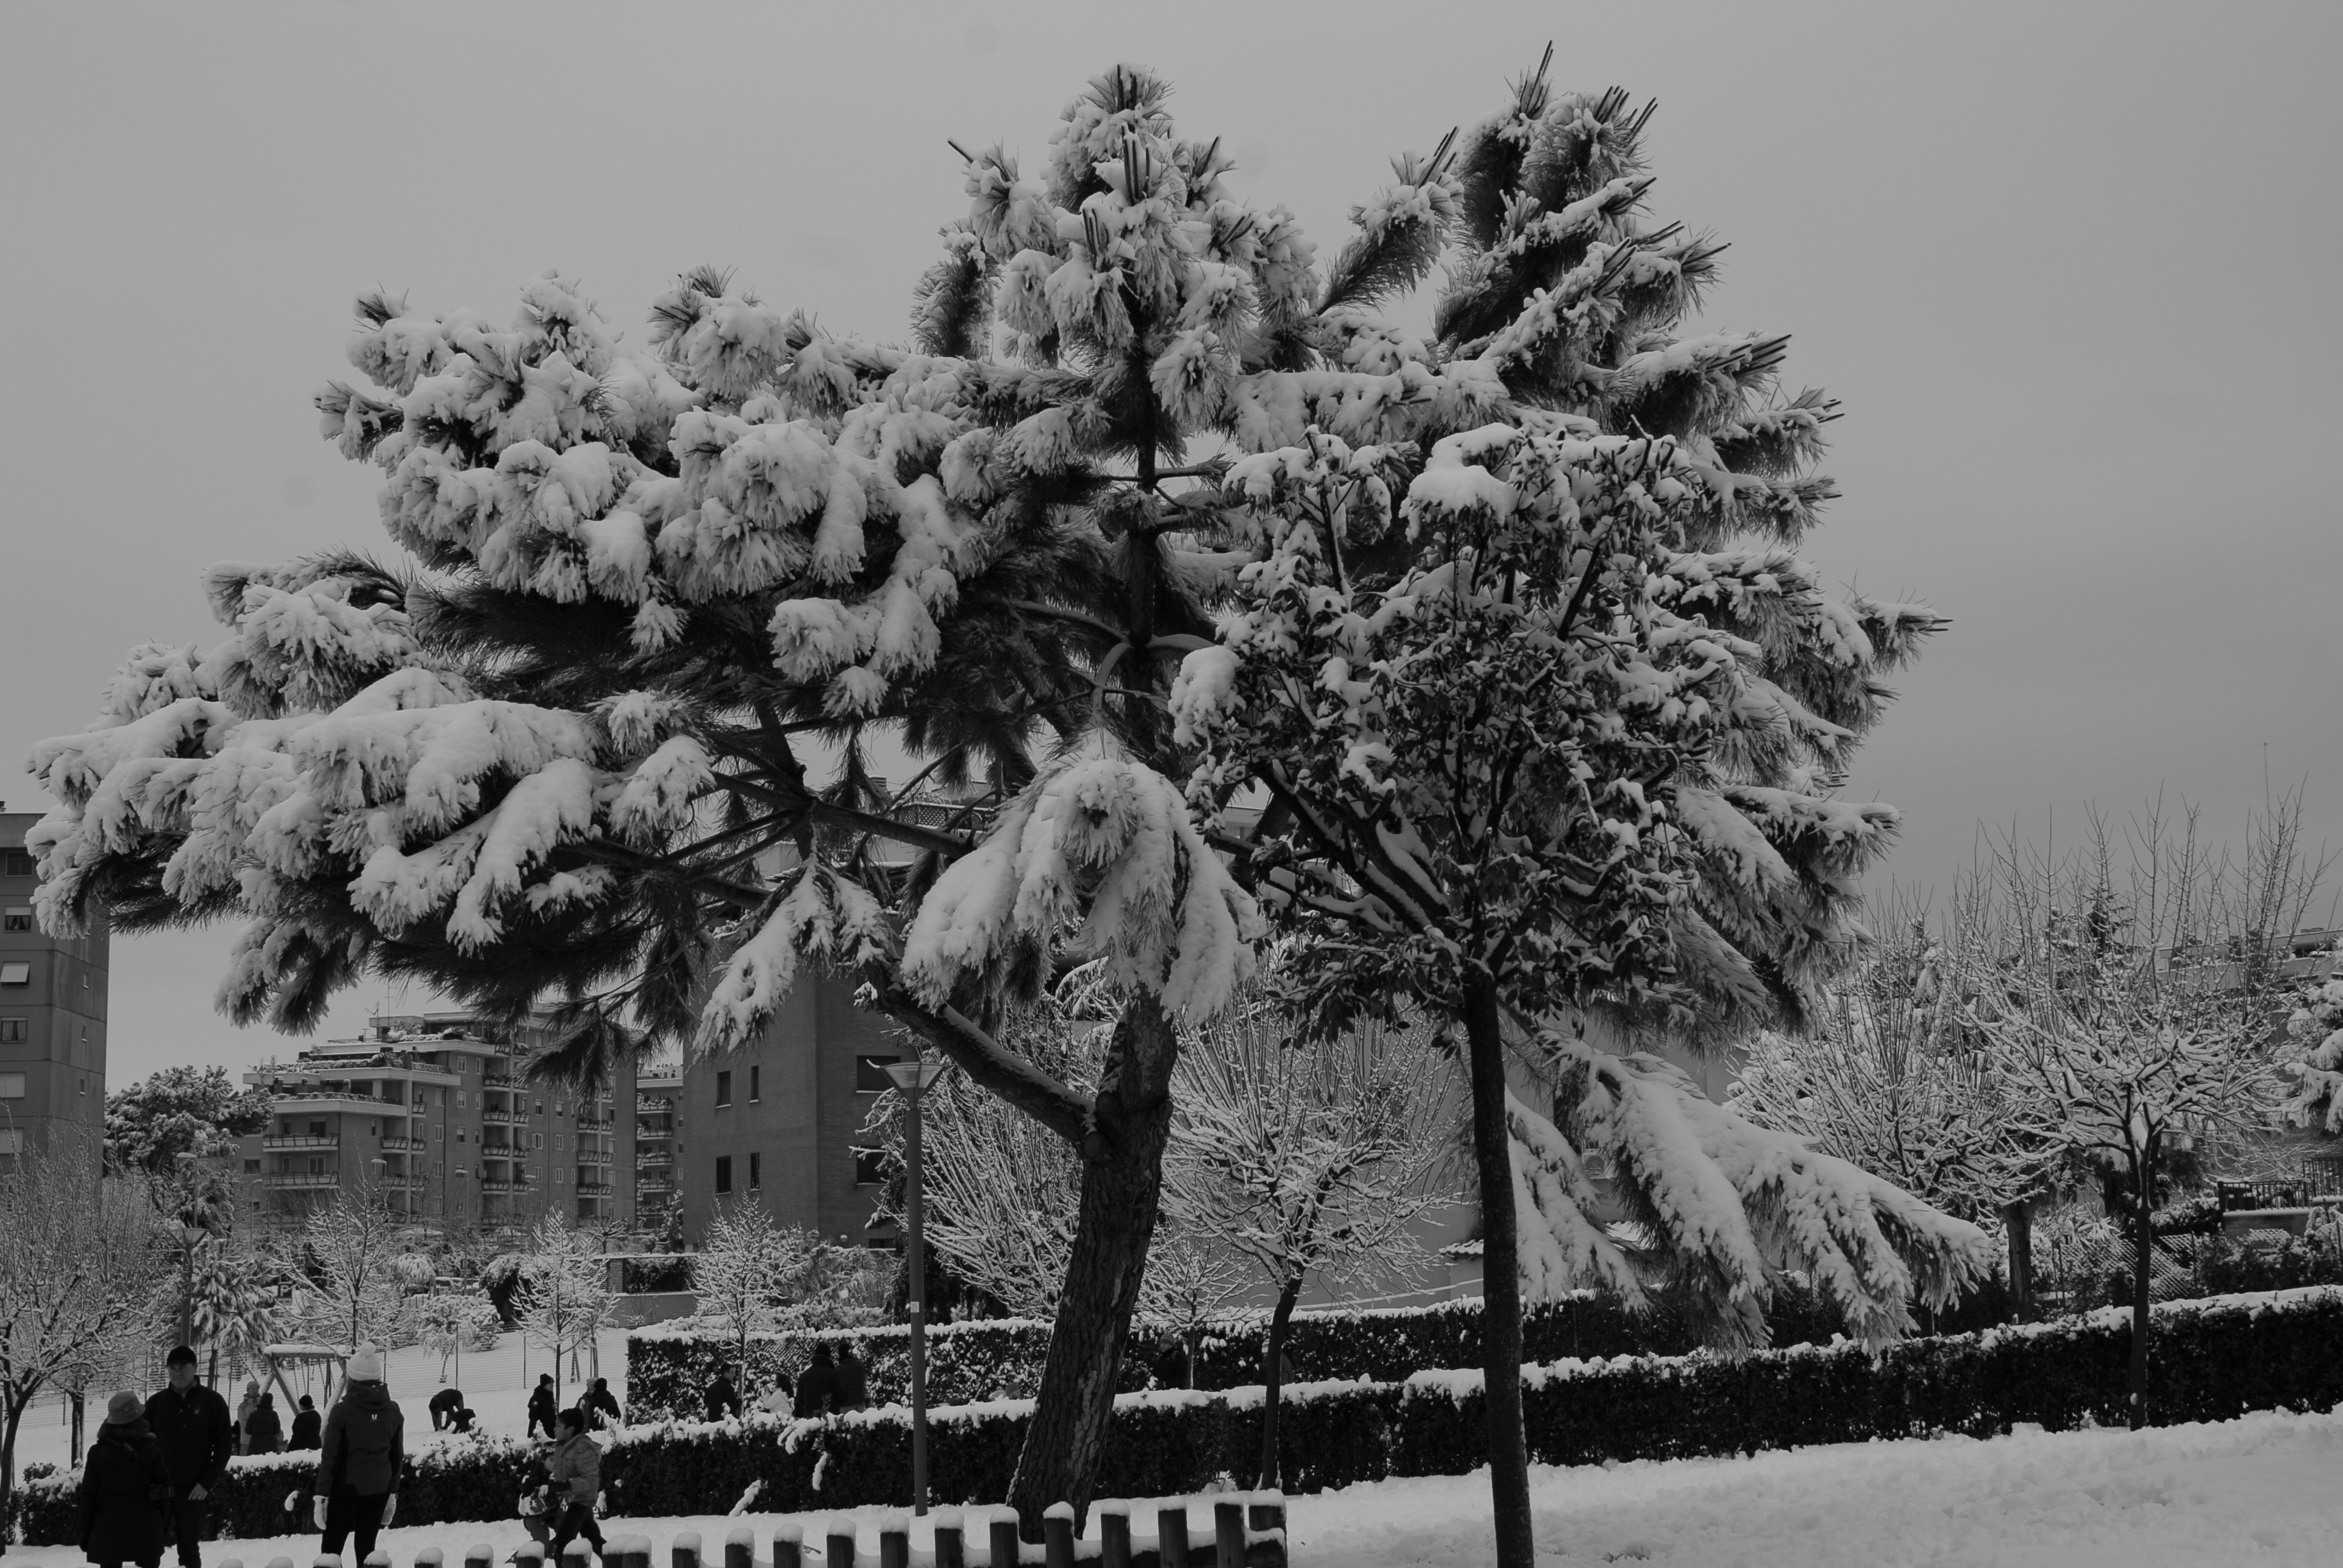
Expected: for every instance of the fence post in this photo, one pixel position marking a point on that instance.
(895, 1541)
(479, 1554)
(741, 1548)
(788, 1545)
(1172, 1537)
(280, 1563)
(1058, 1535)
(576, 1555)
(840, 1532)
(530, 1554)
(1267, 1510)
(322, 1560)
(429, 1557)
(1114, 1533)
(685, 1552)
(1228, 1535)
(1005, 1540)
(377, 1558)
(951, 1548)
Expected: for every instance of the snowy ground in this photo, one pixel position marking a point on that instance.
(2264, 1490)
(496, 1384)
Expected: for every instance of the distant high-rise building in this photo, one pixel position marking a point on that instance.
(52, 1015)
(432, 1114)
(658, 1136)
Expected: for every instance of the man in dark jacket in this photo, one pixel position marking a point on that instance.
(125, 1488)
(601, 1406)
(817, 1387)
(309, 1426)
(853, 1382)
(364, 1455)
(264, 1429)
(444, 1406)
(722, 1398)
(196, 1436)
(543, 1406)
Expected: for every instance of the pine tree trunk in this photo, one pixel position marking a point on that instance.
(2143, 1238)
(2018, 1220)
(1273, 1380)
(1122, 1180)
(1501, 1280)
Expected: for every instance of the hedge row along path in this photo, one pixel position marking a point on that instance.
(2213, 1360)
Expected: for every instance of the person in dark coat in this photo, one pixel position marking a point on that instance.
(601, 1406)
(125, 1488)
(723, 1399)
(309, 1427)
(460, 1424)
(362, 1458)
(818, 1386)
(444, 1406)
(264, 1429)
(193, 1429)
(542, 1406)
(853, 1382)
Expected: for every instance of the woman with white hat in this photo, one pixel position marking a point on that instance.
(363, 1456)
(124, 1487)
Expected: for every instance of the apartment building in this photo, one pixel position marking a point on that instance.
(432, 1113)
(779, 1123)
(52, 1015)
(657, 1140)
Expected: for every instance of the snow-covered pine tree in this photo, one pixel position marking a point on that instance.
(1548, 714)
(2318, 1070)
(544, 767)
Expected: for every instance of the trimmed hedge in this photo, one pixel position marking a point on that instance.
(669, 1367)
(2213, 1361)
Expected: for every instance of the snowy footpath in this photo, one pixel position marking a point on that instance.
(2267, 1489)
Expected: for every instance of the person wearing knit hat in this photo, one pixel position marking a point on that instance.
(124, 1487)
(193, 1429)
(361, 1460)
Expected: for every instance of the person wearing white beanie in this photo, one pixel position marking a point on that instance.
(361, 1460)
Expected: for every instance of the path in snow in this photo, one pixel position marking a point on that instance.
(2267, 1489)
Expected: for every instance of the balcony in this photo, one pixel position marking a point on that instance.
(301, 1140)
(592, 1187)
(653, 1186)
(505, 1118)
(586, 1119)
(327, 1098)
(646, 1159)
(498, 1078)
(400, 1145)
(305, 1180)
(499, 1184)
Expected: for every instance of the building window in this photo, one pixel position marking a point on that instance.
(756, 1088)
(724, 1173)
(869, 1167)
(439, 1134)
(15, 863)
(11, 1086)
(15, 974)
(17, 919)
(537, 1141)
(84, 1034)
(15, 1030)
(724, 1089)
(461, 1103)
(252, 1167)
(756, 1171)
(870, 1074)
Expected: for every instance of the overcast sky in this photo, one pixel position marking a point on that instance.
(2072, 270)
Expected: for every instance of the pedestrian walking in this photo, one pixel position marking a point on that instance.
(818, 1385)
(444, 1406)
(243, 1409)
(722, 1398)
(264, 1429)
(309, 1426)
(541, 1406)
(124, 1489)
(601, 1406)
(361, 1461)
(577, 1470)
(853, 1382)
(196, 1437)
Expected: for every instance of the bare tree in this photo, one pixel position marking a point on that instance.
(1310, 1161)
(80, 1262)
(747, 1270)
(569, 1296)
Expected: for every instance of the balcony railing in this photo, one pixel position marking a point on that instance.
(400, 1145)
(588, 1119)
(301, 1140)
(591, 1186)
(283, 1095)
(304, 1180)
(644, 1159)
(505, 1118)
(499, 1184)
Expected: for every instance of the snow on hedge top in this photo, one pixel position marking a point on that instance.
(1105, 845)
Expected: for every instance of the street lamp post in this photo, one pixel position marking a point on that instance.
(913, 1079)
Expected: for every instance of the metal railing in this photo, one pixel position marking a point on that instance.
(304, 1180)
(301, 1140)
